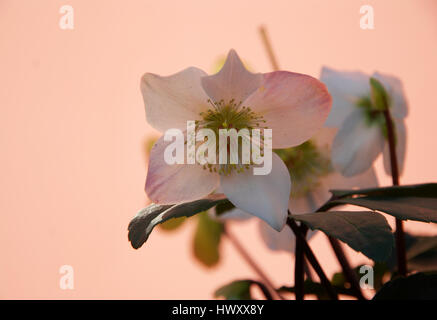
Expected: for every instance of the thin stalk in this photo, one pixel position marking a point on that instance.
(245, 255)
(349, 273)
(313, 260)
(399, 233)
(299, 269)
(267, 44)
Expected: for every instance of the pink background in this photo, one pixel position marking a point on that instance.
(72, 128)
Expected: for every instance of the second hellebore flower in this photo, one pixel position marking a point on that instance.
(313, 177)
(294, 106)
(362, 130)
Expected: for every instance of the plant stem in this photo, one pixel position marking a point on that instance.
(400, 235)
(251, 263)
(267, 44)
(299, 273)
(349, 273)
(341, 257)
(347, 270)
(313, 260)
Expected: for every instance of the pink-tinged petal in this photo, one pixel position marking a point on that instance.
(233, 81)
(356, 145)
(395, 90)
(171, 101)
(177, 183)
(401, 147)
(265, 196)
(346, 88)
(295, 106)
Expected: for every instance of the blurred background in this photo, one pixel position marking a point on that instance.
(73, 129)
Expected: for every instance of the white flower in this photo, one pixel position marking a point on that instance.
(312, 197)
(361, 137)
(294, 106)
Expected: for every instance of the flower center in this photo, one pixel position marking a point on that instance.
(371, 114)
(306, 164)
(229, 115)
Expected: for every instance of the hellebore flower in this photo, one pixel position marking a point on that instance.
(312, 176)
(362, 134)
(294, 106)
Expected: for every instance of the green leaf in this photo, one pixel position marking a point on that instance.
(413, 202)
(419, 286)
(240, 290)
(364, 231)
(146, 219)
(236, 290)
(172, 224)
(207, 240)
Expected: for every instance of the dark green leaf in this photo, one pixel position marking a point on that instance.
(143, 223)
(422, 254)
(207, 240)
(404, 208)
(419, 286)
(427, 190)
(223, 207)
(364, 231)
(421, 245)
(410, 202)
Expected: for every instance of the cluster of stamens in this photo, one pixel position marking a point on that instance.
(230, 115)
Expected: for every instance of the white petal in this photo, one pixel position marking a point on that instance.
(356, 145)
(233, 81)
(171, 101)
(177, 183)
(295, 106)
(232, 215)
(401, 146)
(284, 240)
(277, 241)
(346, 88)
(367, 179)
(310, 202)
(395, 90)
(265, 196)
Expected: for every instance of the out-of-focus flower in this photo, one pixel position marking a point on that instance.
(294, 106)
(312, 177)
(362, 134)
